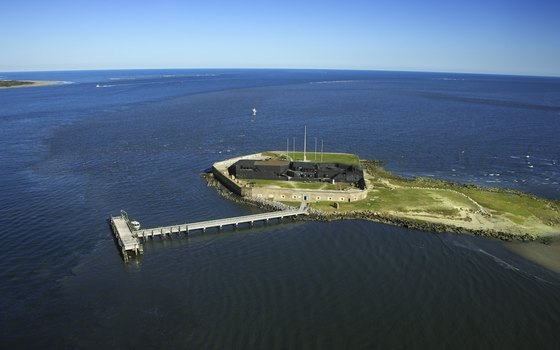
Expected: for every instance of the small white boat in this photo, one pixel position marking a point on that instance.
(254, 111)
(97, 85)
(135, 225)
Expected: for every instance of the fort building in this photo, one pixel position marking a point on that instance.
(270, 169)
(236, 174)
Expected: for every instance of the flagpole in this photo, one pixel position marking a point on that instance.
(305, 143)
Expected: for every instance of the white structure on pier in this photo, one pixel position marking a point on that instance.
(125, 236)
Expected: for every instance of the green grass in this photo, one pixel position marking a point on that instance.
(407, 200)
(419, 199)
(11, 83)
(516, 206)
(501, 202)
(344, 158)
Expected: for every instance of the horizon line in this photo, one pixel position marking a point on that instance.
(286, 68)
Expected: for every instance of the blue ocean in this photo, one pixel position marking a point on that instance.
(73, 154)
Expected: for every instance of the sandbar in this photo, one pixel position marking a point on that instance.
(546, 255)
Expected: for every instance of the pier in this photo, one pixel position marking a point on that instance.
(127, 240)
(130, 240)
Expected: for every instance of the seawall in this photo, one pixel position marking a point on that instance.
(220, 172)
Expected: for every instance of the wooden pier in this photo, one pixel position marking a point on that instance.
(129, 239)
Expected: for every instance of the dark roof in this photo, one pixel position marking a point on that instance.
(272, 163)
(328, 166)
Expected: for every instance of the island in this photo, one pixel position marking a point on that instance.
(25, 83)
(338, 186)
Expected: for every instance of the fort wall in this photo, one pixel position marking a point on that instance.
(220, 172)
(300, 194)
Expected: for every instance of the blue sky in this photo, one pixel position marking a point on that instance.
(479, 36)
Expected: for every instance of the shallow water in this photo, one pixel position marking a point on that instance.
(545, 254)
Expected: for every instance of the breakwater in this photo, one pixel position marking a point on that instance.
(416, 224)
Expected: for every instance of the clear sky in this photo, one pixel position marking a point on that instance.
(482, 36)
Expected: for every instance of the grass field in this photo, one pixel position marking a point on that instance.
(462, 205)
(518, 207)
(344, 158)
(407, 200)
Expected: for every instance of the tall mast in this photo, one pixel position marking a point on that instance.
(315, 148)
(305, 143)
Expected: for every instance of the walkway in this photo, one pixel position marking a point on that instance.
(129, 240)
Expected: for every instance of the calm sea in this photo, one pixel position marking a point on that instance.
(73, 154)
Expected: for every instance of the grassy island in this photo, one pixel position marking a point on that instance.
(428, 204)
(24, 83)
(447, 206)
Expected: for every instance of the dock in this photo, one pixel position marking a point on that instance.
(130, 240)
(124, 233)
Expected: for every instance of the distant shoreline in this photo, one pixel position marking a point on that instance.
(10, 84)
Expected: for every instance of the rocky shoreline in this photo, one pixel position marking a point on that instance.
(384, 218)
(417, 224)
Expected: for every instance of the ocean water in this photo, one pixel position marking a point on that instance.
(76, 153)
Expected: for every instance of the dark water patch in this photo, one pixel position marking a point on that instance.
(487, 101)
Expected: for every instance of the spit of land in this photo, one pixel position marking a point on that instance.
(6, 84)
(431, 204)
